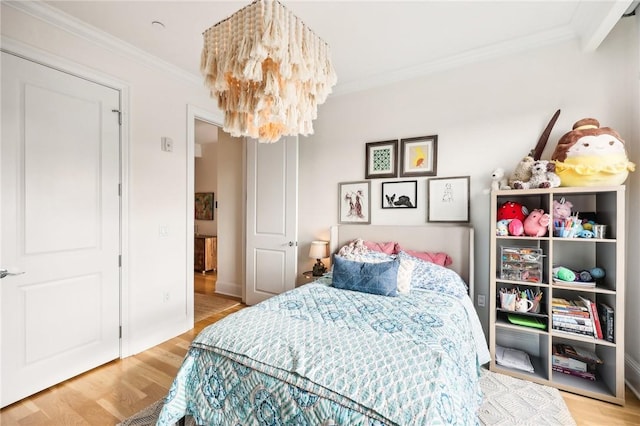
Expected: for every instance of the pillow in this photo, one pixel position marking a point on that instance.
(354, 247)
(439, 258)
(375, 278)
(388, 248)
(405, 273)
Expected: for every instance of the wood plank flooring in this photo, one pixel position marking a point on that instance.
(119, 389)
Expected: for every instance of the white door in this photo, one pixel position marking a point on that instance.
(60, 226)
(272, 218)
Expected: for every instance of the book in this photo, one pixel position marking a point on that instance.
(567, 304)
(571, 319)
(573, 330)
(606, 315)
(577, 352)
(570, 363)
(582, 374)
(594, 316)
(586, 328)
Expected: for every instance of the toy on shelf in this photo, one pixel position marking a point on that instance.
(522, 171)
(585, 277)
(498, 180)
(590, 155)
(536, 224)
(542, 176)
(562, 209)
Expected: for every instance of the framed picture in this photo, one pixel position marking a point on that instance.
(354, 204)
(419, 156)
(204, 205)
(381, 159)
(448, 199)
(400, 195)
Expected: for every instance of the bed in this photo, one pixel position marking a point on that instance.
(322, 355)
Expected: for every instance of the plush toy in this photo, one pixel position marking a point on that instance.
(512, 210)
(522, 171)
(536, 224)
(502, 227)
(561, 209)
(590, 155)
(542, 176)
(498, 180)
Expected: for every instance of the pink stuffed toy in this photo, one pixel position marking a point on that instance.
(536, 224)
(561, 209)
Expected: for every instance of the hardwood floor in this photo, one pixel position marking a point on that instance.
(115, 391)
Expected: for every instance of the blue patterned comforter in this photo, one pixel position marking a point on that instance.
(323, 356)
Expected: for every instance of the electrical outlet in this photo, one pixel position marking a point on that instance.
(481, 300)
(165, 296)
(167, 144)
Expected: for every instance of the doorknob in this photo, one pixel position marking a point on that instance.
(5, 273)
(292, 243)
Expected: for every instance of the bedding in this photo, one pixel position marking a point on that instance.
(318, 355)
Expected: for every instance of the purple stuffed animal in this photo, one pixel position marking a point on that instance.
(536, 224)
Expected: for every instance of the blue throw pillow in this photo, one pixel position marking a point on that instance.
(375, 278)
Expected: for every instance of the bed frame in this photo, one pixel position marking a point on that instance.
(456, 241)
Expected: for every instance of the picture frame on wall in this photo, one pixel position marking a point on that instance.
(448, 199)
(204, 205)
(419, 156)
(354, 203)
(400, 195)
(381, 159)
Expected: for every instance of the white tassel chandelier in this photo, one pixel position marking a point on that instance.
(268, 70)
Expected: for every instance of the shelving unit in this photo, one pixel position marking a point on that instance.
(608, 203)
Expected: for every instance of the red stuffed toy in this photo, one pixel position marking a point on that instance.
(512, 210)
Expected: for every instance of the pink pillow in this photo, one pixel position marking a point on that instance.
(438, 258)
(386, 248)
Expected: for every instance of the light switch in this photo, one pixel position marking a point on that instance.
(167, 144)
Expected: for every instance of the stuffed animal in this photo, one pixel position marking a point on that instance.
(498, 180)
(536, 224)
(502, 227)
(512, 210)
(590, 155)
(522, 171)
(561, 209)
(542, 176)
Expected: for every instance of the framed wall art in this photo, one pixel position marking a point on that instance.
(204, 205)
(400, 195)
(448, 199)
(419, 156)
(381, 159)
(354, 204)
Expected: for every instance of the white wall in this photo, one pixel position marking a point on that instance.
(157, 180)
(206, 180)
(486, 115)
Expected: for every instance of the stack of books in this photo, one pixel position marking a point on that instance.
(572, 316)
(605, 316)
(575, 361)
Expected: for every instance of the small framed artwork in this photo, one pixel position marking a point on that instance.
(419, 156)
(448, 199)
(354, 204)
(381, 160)
(204, 205)
(400, 195)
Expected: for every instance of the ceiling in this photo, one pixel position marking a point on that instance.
(372, 42)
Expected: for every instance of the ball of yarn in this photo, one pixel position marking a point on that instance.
(565, 274)
(597, 273)
(585, 276)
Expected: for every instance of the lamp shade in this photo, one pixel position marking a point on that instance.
(319, 249)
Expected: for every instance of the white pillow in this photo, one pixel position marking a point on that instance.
(513, 358)
(405, 272)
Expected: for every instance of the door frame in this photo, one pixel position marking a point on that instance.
(215, 118)
(50, 60)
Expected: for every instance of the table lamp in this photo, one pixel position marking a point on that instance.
(318, 251)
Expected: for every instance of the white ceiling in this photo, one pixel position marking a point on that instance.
(372, 42)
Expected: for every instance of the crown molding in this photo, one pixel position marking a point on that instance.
(66, 22)
(496, 50)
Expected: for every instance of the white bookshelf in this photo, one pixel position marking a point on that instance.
(576, 253)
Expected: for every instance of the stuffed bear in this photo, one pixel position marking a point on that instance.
(522, 171)
(498, 180)
(542, 176)
(536, 224)
(590, 155)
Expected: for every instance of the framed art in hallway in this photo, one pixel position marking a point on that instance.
(381, 159)
(419, 156)
(448, 199)
(400, 195)
(354, 204)
(204, 205)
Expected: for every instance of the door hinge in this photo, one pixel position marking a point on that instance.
(119, 190)
(120, 332)
(119, 261)
(119, 115)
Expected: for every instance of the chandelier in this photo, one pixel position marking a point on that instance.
(268, 71)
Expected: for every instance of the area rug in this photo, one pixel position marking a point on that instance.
(205, 305)
(508, 401)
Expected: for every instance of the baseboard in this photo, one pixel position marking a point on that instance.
(228, 289)
(632, 374)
